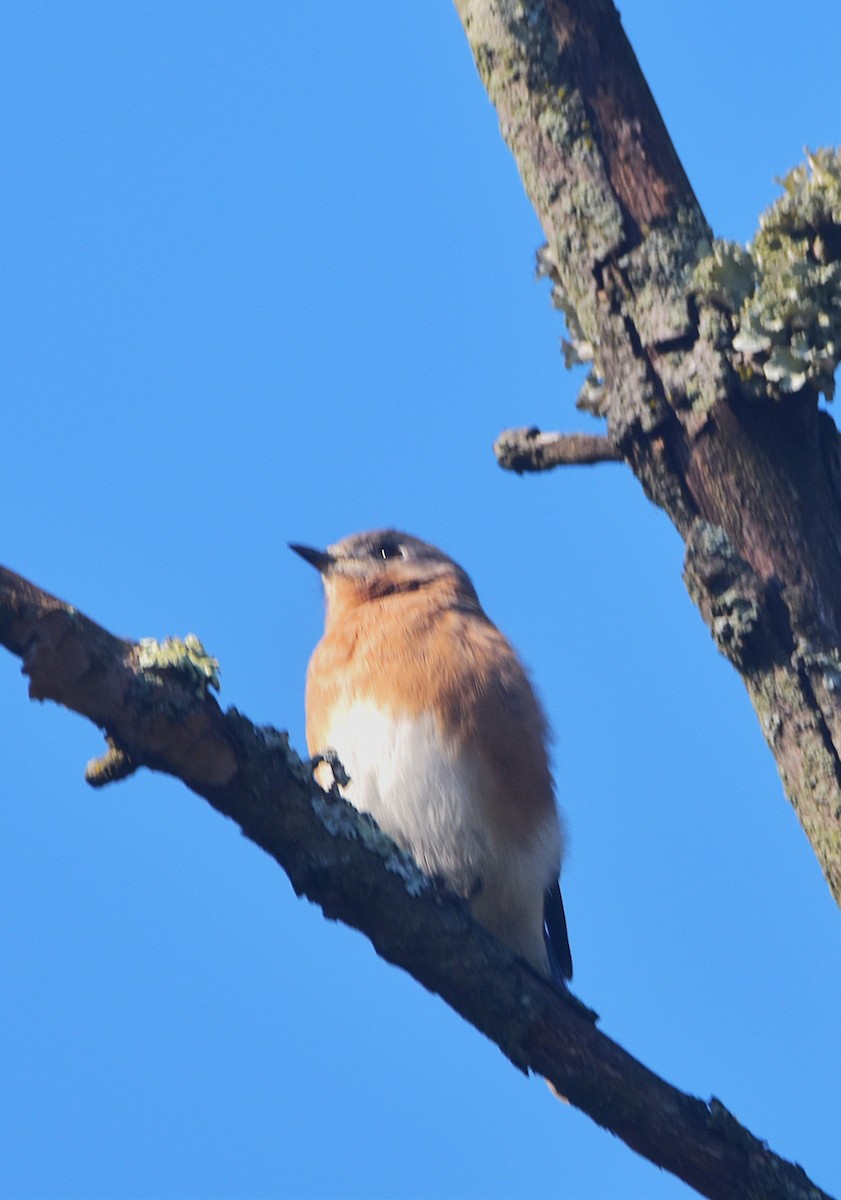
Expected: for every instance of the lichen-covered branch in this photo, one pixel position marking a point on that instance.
(154, 703)
(531, 450)
(706, 364)
(783, 292)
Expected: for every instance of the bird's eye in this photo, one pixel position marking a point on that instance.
(387, 550)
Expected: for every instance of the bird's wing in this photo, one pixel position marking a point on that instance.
(555, 934)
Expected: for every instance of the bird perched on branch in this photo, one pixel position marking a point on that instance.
(433, 717)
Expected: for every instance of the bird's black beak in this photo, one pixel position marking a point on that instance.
(319, 559)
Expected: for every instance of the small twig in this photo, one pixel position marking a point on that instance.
(110, 767)
(528, 449)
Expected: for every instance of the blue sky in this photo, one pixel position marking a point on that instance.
(267, 276)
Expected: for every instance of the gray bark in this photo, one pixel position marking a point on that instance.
(154, 703)
(750, 480)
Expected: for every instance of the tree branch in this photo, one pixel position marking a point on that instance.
(712, 442)
(530, 450)
(155, 706)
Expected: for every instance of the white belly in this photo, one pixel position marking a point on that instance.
(427, 794)
(418, 789)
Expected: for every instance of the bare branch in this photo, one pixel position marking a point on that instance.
(530, 450)
(157, 711)
(757, 466)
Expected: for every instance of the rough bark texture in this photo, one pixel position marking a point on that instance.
(751, 484)
(530, 450)
(157, 712)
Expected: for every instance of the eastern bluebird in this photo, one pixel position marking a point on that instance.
(440, 732)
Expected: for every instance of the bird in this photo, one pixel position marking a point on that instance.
(441, 736)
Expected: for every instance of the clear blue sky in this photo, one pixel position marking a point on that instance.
(267, 275)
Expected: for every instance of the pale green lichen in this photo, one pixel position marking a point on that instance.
(340, 819)
(784, 289)
(592, 395)
(277, 741)
(828, 665)
(576, 348)
(726, 276)
(544, 119)
(186, 657)
(656, 273)
(725, 588)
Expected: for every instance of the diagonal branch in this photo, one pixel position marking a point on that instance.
(154, 704)
(748, 474)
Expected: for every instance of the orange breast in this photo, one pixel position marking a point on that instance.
(419, 652)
